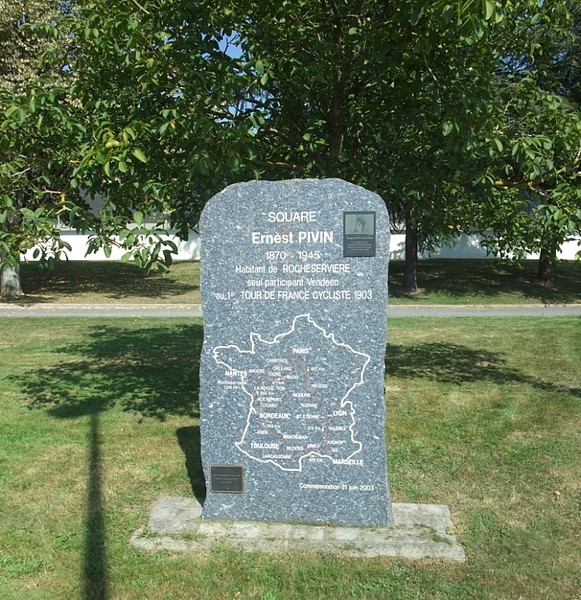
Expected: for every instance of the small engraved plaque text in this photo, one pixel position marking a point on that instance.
(359, 233)
(226, 479)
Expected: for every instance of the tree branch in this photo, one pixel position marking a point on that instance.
(142, 8)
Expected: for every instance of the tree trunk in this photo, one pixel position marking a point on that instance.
(547, 267)
(411, 254)
(10, 282)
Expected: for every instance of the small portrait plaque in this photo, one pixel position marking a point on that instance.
(227, 479)
(359, 233)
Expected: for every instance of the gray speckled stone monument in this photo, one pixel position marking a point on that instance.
(294, 292)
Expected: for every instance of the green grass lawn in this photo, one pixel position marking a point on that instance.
(440, 282)
(99, 419)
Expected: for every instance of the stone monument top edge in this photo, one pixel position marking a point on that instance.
(292, 183)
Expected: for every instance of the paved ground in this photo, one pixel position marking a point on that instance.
(100, 310)
(419, 531)
(194, 310)
(489, 310)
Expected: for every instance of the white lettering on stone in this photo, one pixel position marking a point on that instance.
(305, 216)
(271, 415)
(264, 446)
(259, 270)
(319, 486)
(316, 268)
(315, 237)
(271, 238)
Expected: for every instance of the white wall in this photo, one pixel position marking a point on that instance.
(187, 250)
(466, 247)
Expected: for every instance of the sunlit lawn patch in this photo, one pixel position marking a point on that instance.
(99, 418)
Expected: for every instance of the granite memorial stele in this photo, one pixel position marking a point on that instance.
(294, 293)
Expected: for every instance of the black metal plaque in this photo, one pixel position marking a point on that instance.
(359, 233)
(227, 479)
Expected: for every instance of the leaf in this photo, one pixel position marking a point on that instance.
(489, 8)
(417, 15)
(497, 145)
(123, 166)
(10, 111)
(168, 257)
(139, 154)
(138, 217)
(447, 128)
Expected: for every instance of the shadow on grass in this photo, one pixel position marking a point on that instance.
(190, 443)
(152, 371)
(95, 580)
(110, 280)
(484, 280)
(456, 364)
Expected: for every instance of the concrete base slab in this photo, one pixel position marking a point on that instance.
(419, 531)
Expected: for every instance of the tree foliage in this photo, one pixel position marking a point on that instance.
(20, 63)
(534, 203)
(449, 111)
(159, 90)
(135, 109)
(563, 59)
(418, 101)
(28, 164)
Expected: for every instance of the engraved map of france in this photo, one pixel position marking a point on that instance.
(291, 416)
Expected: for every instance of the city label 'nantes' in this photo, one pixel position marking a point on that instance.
(294, 292)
